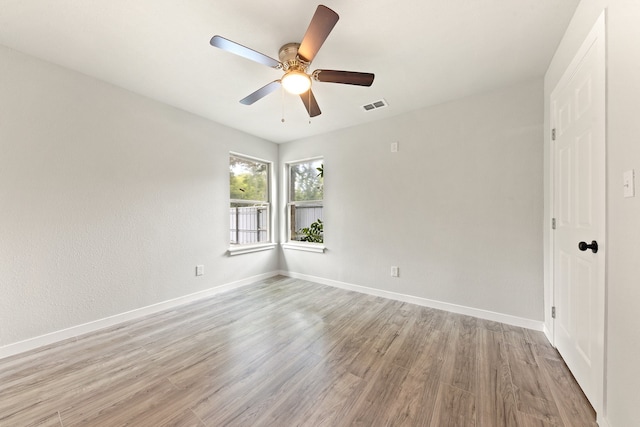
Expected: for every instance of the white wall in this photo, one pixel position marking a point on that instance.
(108, 200)
(459, 207)
(623, 215)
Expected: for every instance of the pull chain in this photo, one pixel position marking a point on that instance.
(282, 91)
(309, 106)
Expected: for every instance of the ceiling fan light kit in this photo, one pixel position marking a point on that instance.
(295, 59)
(296, 82)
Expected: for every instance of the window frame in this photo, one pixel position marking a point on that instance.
(289, 203)
(242, 248)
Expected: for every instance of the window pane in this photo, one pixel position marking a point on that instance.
(306, 223)
(249, 215)
(249, 179)
(305, 220)
(248, 224)
(306, 180)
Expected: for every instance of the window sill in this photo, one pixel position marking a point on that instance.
(247, 249)
(307, 247)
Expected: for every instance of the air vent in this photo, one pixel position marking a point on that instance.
(375, 105)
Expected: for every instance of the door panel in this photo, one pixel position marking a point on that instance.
(578, 105)
(564, 186)
(584, 178)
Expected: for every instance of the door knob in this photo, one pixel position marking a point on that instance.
(583, 246)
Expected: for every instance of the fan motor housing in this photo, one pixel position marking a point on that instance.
(288, 55)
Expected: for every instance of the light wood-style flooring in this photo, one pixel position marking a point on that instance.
(285, 352)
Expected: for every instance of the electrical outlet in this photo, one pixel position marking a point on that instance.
(629, 185)
(394, 147)
(395, 271)
(199, 270)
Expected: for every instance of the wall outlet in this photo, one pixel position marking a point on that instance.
(629, 184)
(199, 270)
(395, 271)
(394, 147)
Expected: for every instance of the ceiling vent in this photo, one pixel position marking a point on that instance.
(375, 105)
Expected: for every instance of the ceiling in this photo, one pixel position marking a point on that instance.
(423, 52)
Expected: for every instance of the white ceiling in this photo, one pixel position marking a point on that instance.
(423, 52)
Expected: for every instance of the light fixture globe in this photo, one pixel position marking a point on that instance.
(296, 82)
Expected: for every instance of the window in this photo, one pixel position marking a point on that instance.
(305, 201)
(249, 189)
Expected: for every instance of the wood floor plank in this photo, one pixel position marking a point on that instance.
(144, 405)
(372, 408)
(185, 418)
(106, 392)
(384, 330)
(490, 325)
(249, 398)
(526, 420)
(533, 395)
(34, 420)
(73, 384)
(514, 334)
(542, 347)
(454, 407)
(382, 342)
(496, 406)
(416, 333)
(287, 352)
(460, 367)
(416, 398)
(574, 406)
(353, 314)
(324, 397)
(336, 403)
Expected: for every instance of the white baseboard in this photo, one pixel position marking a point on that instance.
(602, 421)
(454, 308)
(547, 333)
(75, 331)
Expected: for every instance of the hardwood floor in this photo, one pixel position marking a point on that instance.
(285, 352)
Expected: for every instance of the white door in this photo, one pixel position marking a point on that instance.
(578, 110)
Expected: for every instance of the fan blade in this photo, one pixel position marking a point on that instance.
(344, 77)
(244, 51)
(260, 93)
(310, 103)
(321, 25)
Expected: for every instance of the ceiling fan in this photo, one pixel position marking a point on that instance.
(295, 59)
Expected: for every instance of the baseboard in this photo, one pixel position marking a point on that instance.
(454, 308)
(547, 333)
(75, 331)
(603, 422)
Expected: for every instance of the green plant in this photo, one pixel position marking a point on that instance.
(313, 233)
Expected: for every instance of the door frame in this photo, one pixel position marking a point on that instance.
(596, 35)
